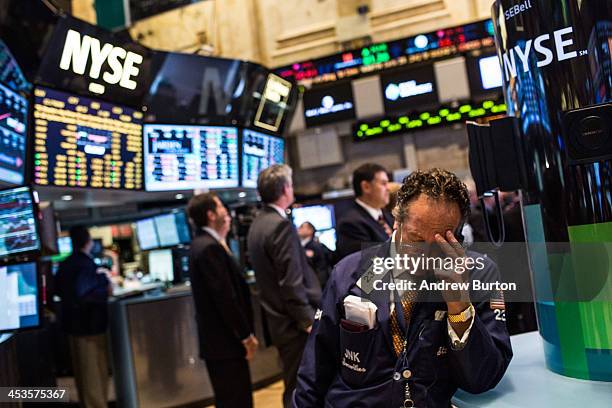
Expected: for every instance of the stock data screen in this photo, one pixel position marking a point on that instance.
(190, 157)
(258, 152)
(147, 234)
(82, 142)
(13, 117)
(172, 229)
(17, 222)
(19, 300)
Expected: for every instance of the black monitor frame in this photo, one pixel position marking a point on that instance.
(31, 255)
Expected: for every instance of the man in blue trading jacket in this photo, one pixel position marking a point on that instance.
(84, 289)
(421, 344)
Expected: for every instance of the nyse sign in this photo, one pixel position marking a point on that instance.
(120, 66)
(561, 41)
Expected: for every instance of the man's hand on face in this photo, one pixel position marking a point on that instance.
(456, 300)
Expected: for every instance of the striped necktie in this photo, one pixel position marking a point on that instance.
(408, 300)
(384, 224)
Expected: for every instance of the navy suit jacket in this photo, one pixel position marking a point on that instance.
(357, 229)
(345, 369)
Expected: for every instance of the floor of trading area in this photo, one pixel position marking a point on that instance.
(267, 397)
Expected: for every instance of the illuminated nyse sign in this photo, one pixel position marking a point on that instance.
(122, 66)
(329, 104)
(561, 41)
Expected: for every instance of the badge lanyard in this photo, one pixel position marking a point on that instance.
(403, 374)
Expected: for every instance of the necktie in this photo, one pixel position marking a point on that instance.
(407, 301)
(384, 224)
(224, 245)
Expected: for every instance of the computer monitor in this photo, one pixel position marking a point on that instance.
(83, 142)
(182, 226)
(146, 234)
(490, 72)
(161, 265)
(64, 245)
(180, 157)
(327, 238)
(322, 217)
(172, 229)
(259, 151)
(485, 75)
(97, 250)
(18, 229)
(167, 231)
(13, 135)
(19, 303)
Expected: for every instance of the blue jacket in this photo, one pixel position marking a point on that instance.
(346, 369)
(84, 292)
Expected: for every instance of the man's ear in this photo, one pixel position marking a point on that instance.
(209, 216)
(365, 186)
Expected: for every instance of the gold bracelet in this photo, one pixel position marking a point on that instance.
(462, 317)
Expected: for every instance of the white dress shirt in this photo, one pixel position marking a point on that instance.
(376, 213)
(214, 234)
(282, 212)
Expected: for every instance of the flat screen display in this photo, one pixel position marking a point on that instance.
(147, 234)
(172, 229)
(329, 104)
(490, 72)
(409, 89)
(322, 218)
(485, 74)
(274, 103)
(82, 142)
(182, 226)
(161, 265)
(19, 300)
(259, 151)
(90, 60)
(64, 245)
(190, 157)
(13, 134)
(18, 233)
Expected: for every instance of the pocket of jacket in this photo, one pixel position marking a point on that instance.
(358, 359)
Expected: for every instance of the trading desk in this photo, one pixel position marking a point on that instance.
(528, 383)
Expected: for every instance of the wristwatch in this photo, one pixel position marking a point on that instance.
(462, 317)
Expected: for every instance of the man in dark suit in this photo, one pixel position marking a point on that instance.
(290, 291)
(318, 254)
(367, 221)
(223, 305)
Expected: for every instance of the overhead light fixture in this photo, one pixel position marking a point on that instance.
(179, 196)
(67, 197)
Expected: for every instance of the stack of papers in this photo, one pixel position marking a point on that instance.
(360, 310)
